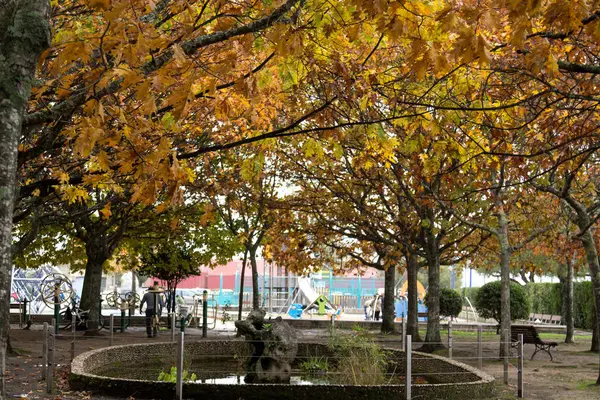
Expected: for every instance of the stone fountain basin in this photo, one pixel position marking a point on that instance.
(455, 381)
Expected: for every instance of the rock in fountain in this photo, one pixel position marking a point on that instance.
(274, 346)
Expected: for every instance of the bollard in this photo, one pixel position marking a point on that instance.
(56, 317)
(45, 350)
(73, 329)
(479, 347)
(204, 313)
(122, 320)
(332, 322)
(173, 328)
(450, 339)
(520, 369)
(408, 383)
(25, 316)
(506, 354)
(50, 372)
(56, 307)
(179, 381)
(112, 330)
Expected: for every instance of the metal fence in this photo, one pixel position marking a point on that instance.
(476, 352)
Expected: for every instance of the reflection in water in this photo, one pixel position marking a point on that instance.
(210, 370)
(239, 380)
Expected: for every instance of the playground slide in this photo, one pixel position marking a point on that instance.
(305, 287)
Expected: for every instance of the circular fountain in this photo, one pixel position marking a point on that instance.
(133, 370)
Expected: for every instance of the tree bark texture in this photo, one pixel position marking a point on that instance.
(255, 289)
(567, 302)
(98, 252)
(433, 340)
(505, 254)
(595, 334)
(412, 320)
(387, 324)
(24, 34)
(592, 259)
(90, 293)
(241, 296)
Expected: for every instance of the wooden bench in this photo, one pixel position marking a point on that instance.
(531, 336)
(555, 319)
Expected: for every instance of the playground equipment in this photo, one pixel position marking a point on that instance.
(420, 290)
(127, 302)
(315, 300)
(401, 308)
(56, 288)
(27, 285)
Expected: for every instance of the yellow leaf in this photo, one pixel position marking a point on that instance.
(99, 4)
(551, 65)
(103, 162)
(106, 213)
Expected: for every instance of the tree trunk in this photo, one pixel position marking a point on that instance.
(595, 335)
(255, 289)
(10, 352)
(387, 324)
(505, 254)
(90, 293)
(241, 296)
(591, 256)
(567, 302)
(412, 320)
(433, 340)
(133, 306)
(25, 33)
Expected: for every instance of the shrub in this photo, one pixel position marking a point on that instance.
(450, 302)
(315, 366)
(171, 376)
(487, 301)
(361, 362)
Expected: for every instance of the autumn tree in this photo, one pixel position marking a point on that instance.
(24, 35)
(242, 188)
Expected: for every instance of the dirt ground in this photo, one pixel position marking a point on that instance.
(569, 376)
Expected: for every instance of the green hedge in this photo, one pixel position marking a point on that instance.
(546, 299)
(583, 305)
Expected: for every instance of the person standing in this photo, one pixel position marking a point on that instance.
(154, 303)
(369, 307)
(377, 305)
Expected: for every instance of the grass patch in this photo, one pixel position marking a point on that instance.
(587, 384)
(19, 352)
(560, 366)
(561, 336)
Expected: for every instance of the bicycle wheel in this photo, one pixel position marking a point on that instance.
(64, 320)
(113, 299)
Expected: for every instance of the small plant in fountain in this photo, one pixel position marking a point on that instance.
(360, 360)
(315, 366)
(171, 376)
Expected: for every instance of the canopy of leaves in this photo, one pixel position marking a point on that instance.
(169, 262)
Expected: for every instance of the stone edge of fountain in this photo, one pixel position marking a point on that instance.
(81, 378)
